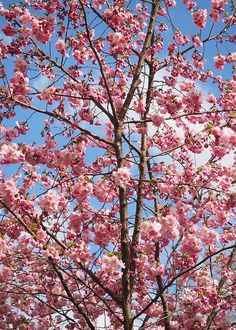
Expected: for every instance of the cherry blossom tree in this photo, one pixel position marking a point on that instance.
(116, 151)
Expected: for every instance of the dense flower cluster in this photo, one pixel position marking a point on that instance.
(200, 17)
(117, 134)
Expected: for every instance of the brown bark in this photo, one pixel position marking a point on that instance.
(125, 248)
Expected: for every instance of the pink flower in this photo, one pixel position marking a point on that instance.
(170, 227)
(156, 119)
(217, 9)
(193, 100)
(75, 221)
(43, 28)
(47, 94)
(10, 154)
(139, 7)
(200, 18)
(9, 190)
(86, 115)
(231, 58)
(140, 129)
(49, 202)
(186, 86)
(104, 191)
(20, 64)
(211, 99)
(196, 41)
(122, 177)
(82, 188)
(11, 133)
(219, 62)
(208, 237)
(150, 230)
(198, 60)
(191, 245)
(41, 236)
(190, 4)
(162, 12)
(162, 27)
(139, 107)
(5, 274)
(19, 86)
(9, 30)
(61, 46)
(228, 137)
(180, 38)
(25, 18)
(105, 233)
(170, 3)
(81, 56)
(111, 264)
(172, 48)
(118, 42)
(98, 3)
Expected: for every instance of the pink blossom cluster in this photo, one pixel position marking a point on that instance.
(190, 4)
(104, 190)
(164, 143)
(139, 107)
(47, 94)
(219, 61)
(198, 60)
(197, 41)
(231, 57)
(49, 202)
(20, 64)
(123, 21)
(11, 154)
(82, 56)
(96, 225)
(82, 188)
(225, 136)
(42, 28)
(118, 43)
(193, 100)
(143, 263)
(19, 86)
(162, 27)
(9, 30)
(227, 99)
(61, 47)
(170, 227)
(111, 264)
(41, 236)
(75, 221)
(86, 114)
(209, 237)
(180, 38)
(98, 3)
(171, 103)
(200, 18)
(156, 119)
(217, 9)
(105, 233)
(122, 177)
(191, 245)
(9, 190)
(170, 3)
(150, 230)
